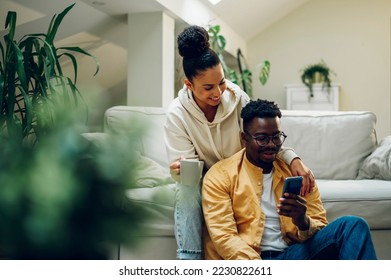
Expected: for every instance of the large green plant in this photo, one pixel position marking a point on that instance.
(65, 198)
(62, 198)
(32, 82)
(242, 77)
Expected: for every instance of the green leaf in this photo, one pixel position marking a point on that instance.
(2, 56)
(50, 62)
(246, 80)
(221, 43)
(27, 117)
(11, 22)
(214, 30)
(2, 76)
(233, 76)
(264, 73)
(55, 23)
(217, 41)
(80, 50)
(2, 82)
(74, 63)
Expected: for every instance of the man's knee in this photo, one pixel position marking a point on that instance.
(354, 221)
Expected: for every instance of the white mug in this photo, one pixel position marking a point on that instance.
(191, 171)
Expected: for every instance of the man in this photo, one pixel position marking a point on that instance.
(248, 218)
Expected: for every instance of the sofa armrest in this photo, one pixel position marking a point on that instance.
(148, 173)
(95, 138)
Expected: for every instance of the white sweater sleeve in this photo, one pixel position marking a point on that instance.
(287, 154)
(177, 140)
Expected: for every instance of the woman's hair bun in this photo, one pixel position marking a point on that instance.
(193, 41)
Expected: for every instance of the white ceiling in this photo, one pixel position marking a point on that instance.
(249, 17)
(246, 17)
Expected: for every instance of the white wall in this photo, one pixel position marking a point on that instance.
(150, 59)
(352, 36)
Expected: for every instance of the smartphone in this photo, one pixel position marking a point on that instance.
(292, 185)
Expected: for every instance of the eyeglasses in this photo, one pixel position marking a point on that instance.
(263, 140)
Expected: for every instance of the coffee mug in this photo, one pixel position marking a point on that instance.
(191, 171)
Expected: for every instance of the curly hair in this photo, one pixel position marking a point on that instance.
(259, 109)
(194, 47)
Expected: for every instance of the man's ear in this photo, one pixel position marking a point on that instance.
(243, 138)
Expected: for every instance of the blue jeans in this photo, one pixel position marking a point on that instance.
(347, 238)
(189, 221)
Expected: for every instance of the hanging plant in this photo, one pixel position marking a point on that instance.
(317, 73)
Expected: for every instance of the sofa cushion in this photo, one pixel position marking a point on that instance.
(333, 144)
(378, 164)
(158, 203)
(370, 199)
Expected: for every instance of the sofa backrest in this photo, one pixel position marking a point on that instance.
(333, 144)
(151, 118)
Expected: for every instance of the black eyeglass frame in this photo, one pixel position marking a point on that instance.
(269, 137)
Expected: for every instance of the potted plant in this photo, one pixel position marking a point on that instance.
(317, 73)
(32, 82)
(244, 75)
(61, 197)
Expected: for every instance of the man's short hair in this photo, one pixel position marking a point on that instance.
(259, 109)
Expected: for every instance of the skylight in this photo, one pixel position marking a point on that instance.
(214, 2)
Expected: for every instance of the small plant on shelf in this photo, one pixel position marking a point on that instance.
(317, 73)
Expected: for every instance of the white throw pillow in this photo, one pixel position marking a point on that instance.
(378, 164)
(150, 174)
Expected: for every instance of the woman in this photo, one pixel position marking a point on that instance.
(204, 123)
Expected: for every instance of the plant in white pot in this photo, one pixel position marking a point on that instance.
(317, 73)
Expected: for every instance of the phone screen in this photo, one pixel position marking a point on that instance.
(292, 185)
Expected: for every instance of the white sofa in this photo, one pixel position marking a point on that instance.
(352, 170)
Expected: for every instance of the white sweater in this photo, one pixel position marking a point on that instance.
(188, 133)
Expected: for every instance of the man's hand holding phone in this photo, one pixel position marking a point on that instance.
(292, 204)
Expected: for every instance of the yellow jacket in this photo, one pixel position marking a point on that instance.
(231, 197)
